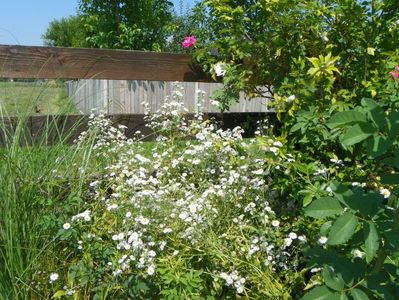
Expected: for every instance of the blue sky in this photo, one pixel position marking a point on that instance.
(22, 22)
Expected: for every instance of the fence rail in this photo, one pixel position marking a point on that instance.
(72, 63)
(76, 63)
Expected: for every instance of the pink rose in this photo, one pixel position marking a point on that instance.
(395, 73)
(189, 41)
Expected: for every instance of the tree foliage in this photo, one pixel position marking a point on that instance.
(186, 23)
(139, 24)
(267, 43)
(66, 32)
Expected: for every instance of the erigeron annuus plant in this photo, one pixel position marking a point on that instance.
(191, 218)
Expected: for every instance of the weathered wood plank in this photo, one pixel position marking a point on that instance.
(76, 63)
(128, 96)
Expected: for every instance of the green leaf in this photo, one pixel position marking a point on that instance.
(323, 207)
(325, 228)
(357, 133)
(343, 229)
(376, 112)
(364, 203)
(358, 294)
(393, 124)
(390, 179)
(296, 127)
(343, 296)
(314, 60)
(371, 240)
(350, 271)
(332, 280)
(378, 283)
(346, 118)
(341, 191)
(313, 71)
(58, 294)
(321, 293)
(392, 162)
(378, 145)
(392, 238)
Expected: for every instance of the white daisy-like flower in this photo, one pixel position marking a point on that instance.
(220, 69)
(315, 270)
(275, 223)
(66, 226)
(287, 242)
(258, 172)
(385, 192)
(215, 103)
(53, 277)
(152, 253)
(324, 37)
(302, 238)
(358, 253)
(278, 144)
(290, 99)
(323, 240)
(151, 270)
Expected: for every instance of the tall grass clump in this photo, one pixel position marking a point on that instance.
(31, 195)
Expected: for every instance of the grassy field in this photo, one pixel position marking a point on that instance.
(37, 98)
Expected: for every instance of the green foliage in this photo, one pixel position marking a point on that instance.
(323, 207)
(302, 48)
(328, 65)
(33, 200)
(139, 25)
(186, 23)
(356, 221)
(66, 32)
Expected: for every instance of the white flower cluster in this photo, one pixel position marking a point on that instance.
(234, 279)
(173, 199)
(86, 216)
(104, 134)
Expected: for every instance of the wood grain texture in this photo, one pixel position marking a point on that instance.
(76, 63)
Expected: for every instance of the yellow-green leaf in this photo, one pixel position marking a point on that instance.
(58, 294)
(371, 51)
(314, 60)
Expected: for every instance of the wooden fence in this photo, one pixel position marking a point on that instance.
(127, 96)
(72, 63)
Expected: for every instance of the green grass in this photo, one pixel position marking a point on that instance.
(27, 182)
(30, 195)
(36, 98)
